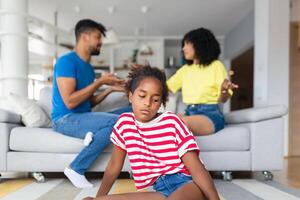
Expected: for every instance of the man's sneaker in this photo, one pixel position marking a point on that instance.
(76, 179)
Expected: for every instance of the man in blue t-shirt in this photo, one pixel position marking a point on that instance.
(74, 86)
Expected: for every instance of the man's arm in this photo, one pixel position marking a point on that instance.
(101, 96)
(112, 171)
(200, 175)
(72, 98)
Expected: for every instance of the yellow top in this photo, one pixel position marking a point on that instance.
(199, 84)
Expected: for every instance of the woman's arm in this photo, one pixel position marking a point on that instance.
(112, 171)
(200, 175)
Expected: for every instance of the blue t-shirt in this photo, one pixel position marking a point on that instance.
(71, 66)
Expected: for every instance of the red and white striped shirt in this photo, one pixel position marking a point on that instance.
(154, 148)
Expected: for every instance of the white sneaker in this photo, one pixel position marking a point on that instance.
(76, 179)
(88, 138)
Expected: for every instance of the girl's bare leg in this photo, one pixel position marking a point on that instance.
(198, 124)
(132, 196)
(189, 191)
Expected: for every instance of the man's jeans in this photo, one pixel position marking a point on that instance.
(78, 124)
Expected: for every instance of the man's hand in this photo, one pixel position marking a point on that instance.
(118, 88)
(88, 198)
(110, 79)
(102, 95)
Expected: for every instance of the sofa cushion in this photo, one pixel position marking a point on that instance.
(228, 139)
(44, 140)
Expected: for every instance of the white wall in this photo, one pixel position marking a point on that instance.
(41, 10)
(271, 64)
(240, 38)
(269, 31)
(271, 52)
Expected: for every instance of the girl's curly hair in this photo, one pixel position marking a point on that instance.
(207, 48)
(136, 75)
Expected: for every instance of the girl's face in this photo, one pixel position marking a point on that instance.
(188, 51)
(146, 99)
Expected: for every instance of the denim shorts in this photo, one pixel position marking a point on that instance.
(211, 111)
(167, 184)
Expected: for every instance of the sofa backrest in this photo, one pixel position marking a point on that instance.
(45, 100)
(114, 101)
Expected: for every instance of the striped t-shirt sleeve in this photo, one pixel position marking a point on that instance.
(185, 139)
(117, 139)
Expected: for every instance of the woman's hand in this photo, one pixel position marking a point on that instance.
(227, 85)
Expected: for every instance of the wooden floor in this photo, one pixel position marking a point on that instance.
(290, 175)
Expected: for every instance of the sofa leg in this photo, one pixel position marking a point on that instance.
(38, 176)
(227, 176)
(268, 176)
(130, 174)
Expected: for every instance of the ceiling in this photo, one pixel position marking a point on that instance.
(164, 17)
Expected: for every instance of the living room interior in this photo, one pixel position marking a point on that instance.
(260, 45)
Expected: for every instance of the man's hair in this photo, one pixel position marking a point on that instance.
(136, 75)
(86, 25)
(207, 48)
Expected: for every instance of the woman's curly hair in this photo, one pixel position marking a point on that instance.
(207, 48)
(136, 75)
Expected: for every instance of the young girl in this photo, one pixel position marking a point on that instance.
(161, 150)
(203, 81)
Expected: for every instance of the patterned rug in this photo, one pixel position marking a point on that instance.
(52, 189)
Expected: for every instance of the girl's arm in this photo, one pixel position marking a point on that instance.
(112, 171)
(200, 175)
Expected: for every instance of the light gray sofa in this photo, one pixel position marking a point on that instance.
(251, 141)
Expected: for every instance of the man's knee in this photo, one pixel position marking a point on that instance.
(103, 134)
(113, 119)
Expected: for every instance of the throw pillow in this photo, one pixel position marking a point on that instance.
(32, 115)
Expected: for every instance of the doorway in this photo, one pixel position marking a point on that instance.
(242, 66)
(294, 100)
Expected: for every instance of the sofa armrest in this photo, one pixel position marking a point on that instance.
(5, 129)
(9, 117)
(255, 114)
